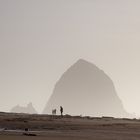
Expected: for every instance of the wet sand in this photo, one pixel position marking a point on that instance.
(47, 127)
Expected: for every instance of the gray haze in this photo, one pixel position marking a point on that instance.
(40, 39)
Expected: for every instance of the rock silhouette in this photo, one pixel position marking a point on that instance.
(84, 89)
(27, 109)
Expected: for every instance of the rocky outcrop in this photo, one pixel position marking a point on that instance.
(84, 89)
(27, 109)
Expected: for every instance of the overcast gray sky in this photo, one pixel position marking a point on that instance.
(40, 39)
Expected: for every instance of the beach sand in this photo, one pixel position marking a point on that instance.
(47, 127)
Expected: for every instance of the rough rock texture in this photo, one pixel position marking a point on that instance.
(28, 109)
(84, 89)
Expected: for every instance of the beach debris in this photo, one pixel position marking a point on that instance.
(29, 134)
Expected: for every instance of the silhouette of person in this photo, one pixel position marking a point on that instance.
(61, 110)
(54, 112)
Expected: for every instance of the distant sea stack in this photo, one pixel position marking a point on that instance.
(27, 109)
(84, 89)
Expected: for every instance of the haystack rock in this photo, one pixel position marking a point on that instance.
(84, 89)
(27, 109)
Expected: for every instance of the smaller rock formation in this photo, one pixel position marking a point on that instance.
(27, 109)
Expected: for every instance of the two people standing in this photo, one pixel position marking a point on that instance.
(61, 111)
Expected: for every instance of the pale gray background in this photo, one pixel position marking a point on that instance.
(40, 39)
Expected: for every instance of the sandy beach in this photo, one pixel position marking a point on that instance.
(47, 127)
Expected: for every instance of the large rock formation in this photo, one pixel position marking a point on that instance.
(84, 89)
(27, 109)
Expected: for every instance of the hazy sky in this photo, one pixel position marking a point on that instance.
(40, 39)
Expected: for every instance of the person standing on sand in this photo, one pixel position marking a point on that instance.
(54, 112)
(61, 110)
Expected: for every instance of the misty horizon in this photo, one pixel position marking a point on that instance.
(84, 65)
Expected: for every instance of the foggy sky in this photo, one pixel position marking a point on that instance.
(41, 39)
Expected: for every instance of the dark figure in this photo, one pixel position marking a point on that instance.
(61, 110)
(54, 112)
(26, 129)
